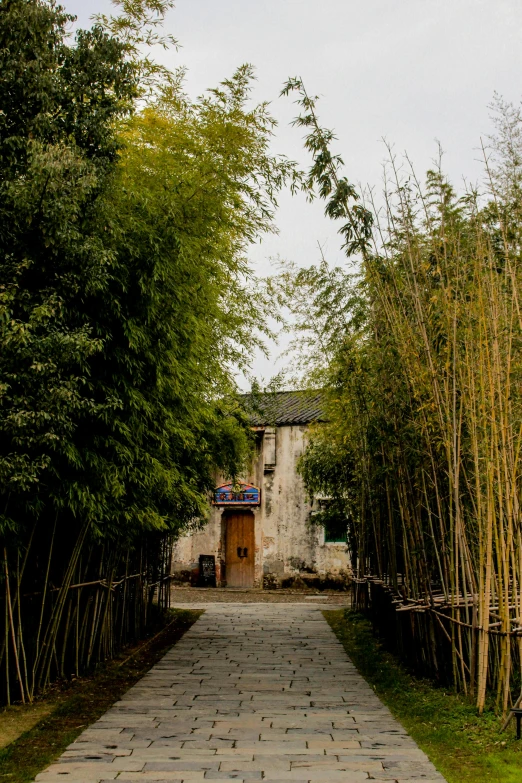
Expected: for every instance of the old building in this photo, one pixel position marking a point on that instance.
(261, 530)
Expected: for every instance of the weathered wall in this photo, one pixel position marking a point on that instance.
(287, 543)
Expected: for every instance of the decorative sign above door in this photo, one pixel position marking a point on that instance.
(236, 494)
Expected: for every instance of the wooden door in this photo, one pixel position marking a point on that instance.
(240, 549)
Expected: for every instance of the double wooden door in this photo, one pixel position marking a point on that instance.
(240, 549)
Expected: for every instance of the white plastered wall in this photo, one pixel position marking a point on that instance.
(287, 542)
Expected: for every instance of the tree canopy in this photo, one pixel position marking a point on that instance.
(126, 308)
(126, 301)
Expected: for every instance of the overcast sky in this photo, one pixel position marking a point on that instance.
(411, 71)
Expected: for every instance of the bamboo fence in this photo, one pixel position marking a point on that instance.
(71, 602)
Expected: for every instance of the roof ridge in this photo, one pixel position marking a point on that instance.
(281, 391)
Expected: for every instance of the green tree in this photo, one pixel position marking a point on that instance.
(195, 185)
(57, 147)
(422, 379)
(126, 305)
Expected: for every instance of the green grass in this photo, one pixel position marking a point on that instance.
(85, 701)
(465, 747)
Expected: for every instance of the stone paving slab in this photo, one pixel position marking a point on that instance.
(251, 692)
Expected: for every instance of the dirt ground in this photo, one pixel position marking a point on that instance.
(206, 595)
(19, 718)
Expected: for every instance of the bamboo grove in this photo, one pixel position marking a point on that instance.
(126, 307)
(420, 349)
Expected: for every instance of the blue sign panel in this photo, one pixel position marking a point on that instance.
(239, 494)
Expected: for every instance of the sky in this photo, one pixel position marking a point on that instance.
(413, 72)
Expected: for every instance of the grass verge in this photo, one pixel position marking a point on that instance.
(465, 747)
(85, 700)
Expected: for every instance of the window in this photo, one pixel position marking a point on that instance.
(331, 516)
(335, 530)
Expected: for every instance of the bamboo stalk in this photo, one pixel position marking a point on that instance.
(12, 628)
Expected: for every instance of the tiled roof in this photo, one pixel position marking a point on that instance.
(287, 407)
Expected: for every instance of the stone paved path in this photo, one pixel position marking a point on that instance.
(251, 692)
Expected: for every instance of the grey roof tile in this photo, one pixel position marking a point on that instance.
(287, 407)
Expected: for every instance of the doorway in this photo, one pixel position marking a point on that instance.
(240, 549)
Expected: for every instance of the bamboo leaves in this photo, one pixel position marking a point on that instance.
(341, 196)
